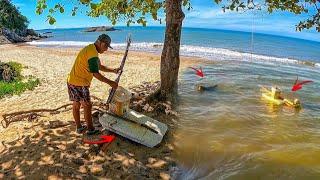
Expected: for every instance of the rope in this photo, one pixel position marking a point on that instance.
(252, 24)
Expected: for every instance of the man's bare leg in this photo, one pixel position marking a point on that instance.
(76, 113)
(87, 106)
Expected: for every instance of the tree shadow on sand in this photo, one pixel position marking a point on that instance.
(57, 151)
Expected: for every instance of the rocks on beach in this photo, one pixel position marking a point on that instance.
(7, 36)
(100, 29)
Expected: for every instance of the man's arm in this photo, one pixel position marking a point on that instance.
(94, 69)
(106, 80)
(105, 68)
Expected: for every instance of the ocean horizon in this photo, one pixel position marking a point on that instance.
(211, 44)
(207, 28)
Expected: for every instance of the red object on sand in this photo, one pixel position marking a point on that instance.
(298, 85)
(199, 72)
(104, 139)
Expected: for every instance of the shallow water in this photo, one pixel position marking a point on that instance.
(232, 133)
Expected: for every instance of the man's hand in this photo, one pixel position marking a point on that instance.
(113, 84)
(116, 70)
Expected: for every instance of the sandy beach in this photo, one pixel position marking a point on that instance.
(50, 148)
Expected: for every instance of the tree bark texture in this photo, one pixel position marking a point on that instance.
(170, 60)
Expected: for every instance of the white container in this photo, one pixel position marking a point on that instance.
(120, 101)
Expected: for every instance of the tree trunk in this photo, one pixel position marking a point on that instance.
(170, 60)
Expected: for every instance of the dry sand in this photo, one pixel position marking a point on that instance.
(50, 148)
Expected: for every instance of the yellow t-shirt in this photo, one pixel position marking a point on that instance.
(87, 63)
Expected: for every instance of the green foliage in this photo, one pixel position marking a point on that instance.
(11, 18)
(17, 67)
(298, 7)
(293, 6)
(17, 87)
(136, 11)
(133, 11)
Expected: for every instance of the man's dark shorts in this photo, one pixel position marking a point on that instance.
(78, 93)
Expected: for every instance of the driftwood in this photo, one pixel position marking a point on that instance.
(35, 113)
(112, 92)
(29, 115)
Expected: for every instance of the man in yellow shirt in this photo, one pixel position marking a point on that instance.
(87, 66)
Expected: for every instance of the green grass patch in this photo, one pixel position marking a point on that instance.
(19, 83)
(17, 87)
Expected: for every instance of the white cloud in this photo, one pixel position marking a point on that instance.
(207, 14)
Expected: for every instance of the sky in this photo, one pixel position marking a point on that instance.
(204, 14)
